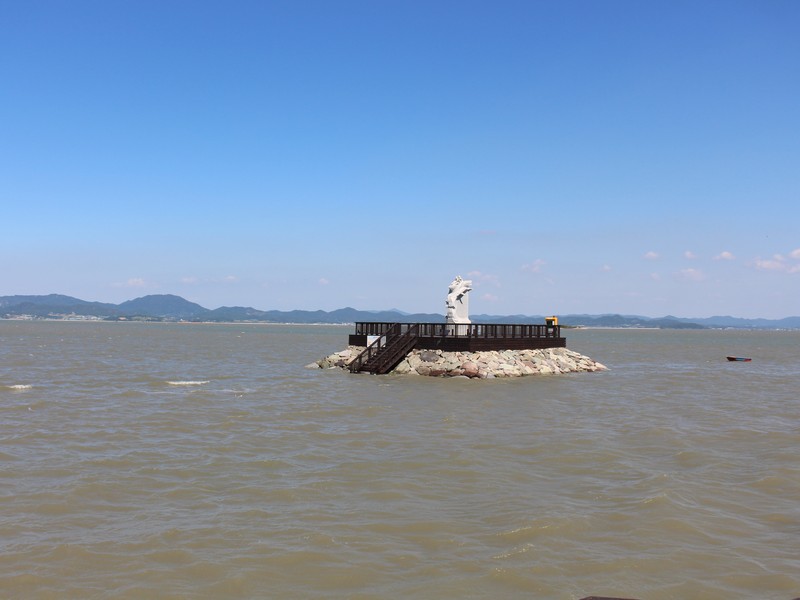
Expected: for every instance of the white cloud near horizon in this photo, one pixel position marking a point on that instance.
(192, 280)
(768, 265)
(724, 255)
(651, 255)
(692, 274)
(133, 282)
(779, 263)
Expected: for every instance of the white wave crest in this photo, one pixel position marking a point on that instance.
(19, 386)
(187, 382)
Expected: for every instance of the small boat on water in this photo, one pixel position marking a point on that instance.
(739, 358)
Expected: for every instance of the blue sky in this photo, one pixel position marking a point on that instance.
(568, 157)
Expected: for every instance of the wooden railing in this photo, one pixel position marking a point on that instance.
(393, 341)
(471, 330)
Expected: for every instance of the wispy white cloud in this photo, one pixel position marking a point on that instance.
(655, 276)
(481, 277)
(605, 268)
(780, 263)
(773, 264)
(689, 255)
(324, 281)
(724, 255)
(192, 280)
(490, 298)
(691, 274)
(133, 282)
(652, 255)
(534, 267)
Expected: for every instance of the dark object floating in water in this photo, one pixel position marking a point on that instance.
(739, 358)
(605, 598)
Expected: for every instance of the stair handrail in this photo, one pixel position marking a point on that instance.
(396, 346)
(372, 349)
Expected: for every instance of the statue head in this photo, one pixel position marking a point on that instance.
(457, 300)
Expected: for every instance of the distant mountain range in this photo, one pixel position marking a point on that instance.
(167, 307)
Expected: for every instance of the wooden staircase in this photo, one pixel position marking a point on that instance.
(383, 355)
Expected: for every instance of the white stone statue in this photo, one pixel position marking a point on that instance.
(457, 300)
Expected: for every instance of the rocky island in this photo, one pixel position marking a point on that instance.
(476, 365)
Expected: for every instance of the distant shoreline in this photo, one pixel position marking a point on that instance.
(172, 308)
(167, 322)
(155, 321)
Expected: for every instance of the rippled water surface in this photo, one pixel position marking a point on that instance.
(204, 461)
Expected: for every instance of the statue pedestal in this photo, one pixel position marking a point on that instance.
(457, 327)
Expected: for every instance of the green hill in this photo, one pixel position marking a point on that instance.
(174, 308)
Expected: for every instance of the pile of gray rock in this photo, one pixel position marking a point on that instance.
(481, 365)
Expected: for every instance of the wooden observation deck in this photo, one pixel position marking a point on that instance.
(388, 343)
